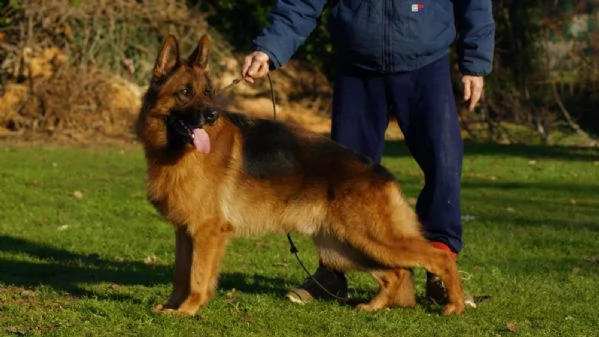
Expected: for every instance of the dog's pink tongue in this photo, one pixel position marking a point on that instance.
(201, 141)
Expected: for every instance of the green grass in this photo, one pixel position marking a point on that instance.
(82, 253)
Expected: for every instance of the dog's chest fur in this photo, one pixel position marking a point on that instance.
(170, 188)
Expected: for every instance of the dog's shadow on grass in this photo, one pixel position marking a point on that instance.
(33, 264)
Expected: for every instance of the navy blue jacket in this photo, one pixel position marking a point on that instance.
(386, 36)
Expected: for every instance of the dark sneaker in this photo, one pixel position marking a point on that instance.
(334, 283)
(436, 292)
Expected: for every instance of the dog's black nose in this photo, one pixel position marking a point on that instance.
(210, 115)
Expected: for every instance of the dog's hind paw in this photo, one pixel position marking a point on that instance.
(367, 307)
(451, 309)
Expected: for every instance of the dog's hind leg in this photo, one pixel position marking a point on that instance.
(396, 290)
(410, 252)
(396, 285)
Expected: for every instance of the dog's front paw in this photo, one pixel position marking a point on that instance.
(164, 310)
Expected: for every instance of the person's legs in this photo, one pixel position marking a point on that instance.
(426, 111)
(427, 114)
(359, 121)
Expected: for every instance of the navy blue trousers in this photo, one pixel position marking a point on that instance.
(423, 103)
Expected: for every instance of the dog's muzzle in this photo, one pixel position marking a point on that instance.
(184, 122)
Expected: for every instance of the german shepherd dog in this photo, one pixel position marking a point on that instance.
(213, 174)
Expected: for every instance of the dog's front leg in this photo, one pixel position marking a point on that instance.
(209, 241)
(183, 258)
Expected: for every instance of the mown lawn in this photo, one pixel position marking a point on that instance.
(82, 253)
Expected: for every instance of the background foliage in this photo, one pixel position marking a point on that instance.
(544, 84)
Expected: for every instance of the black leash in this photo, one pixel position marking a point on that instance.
(272, 92)
(293, 249)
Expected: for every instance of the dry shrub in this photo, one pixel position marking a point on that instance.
(76, 68)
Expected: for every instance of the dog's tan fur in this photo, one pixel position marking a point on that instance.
(250, 185)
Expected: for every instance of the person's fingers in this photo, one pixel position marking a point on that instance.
(467, 83)
(477, 90)
(254, 68)
(262, 71)
(255, 65)
(247, 62)
(476, 95)
(473, 90)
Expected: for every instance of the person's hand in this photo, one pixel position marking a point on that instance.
(255, 65)
(473, 89)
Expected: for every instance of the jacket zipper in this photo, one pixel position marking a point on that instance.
(386, 39)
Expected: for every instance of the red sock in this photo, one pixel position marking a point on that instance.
(442, 246)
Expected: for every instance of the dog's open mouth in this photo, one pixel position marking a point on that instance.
(193, 135)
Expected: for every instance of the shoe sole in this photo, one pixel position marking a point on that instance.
(295, 300)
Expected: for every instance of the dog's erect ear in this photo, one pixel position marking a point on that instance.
(199, 57)
(168, 58)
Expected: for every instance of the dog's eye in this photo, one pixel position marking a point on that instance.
(208, 92)
(187, 92)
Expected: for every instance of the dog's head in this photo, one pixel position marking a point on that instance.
(181, 95)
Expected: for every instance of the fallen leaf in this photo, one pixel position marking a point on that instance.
(511, 210)
(593, 259)
(247, 319)
(230, 296)
(569, 318)
(468, 217)
(573, 202)
(511, 326)
(78, 194)
(576, 270)
(62, 228)
(532, 162)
